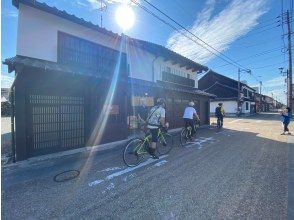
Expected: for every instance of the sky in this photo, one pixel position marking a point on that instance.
(230, 34)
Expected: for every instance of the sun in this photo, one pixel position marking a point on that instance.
(125, 17)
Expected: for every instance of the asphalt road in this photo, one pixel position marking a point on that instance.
(238, 172)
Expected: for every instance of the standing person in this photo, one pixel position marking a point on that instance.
(189, 114)
(155, 120)
(286, 115)
(220, 114)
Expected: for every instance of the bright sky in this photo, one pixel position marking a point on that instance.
(246, 31)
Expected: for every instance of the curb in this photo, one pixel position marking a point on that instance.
(290, 211)
(98, 148)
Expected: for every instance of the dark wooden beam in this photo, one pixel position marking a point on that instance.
(188, 67)
(194, 70)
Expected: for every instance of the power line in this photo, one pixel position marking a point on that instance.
(228, 59)
(256, 55)
(262, 67)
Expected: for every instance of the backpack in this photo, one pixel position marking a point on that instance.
(218, 111)
(152, 119)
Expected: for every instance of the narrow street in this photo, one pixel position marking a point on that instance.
(238, 172)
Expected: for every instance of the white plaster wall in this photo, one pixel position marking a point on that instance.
(141, 63)
(229, 106)
(244, 107)
(160, 65)
(37, 38)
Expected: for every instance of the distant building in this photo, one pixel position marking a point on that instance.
(4, 94)
(226, 91)
(75, 78)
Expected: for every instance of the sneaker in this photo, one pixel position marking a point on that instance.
(283, 133)
(289, 133)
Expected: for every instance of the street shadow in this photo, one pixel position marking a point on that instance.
(245, 144)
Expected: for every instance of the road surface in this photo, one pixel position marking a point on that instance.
(238, 172)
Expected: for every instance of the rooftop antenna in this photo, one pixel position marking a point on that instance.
(102, 8)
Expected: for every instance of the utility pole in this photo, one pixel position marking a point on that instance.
(238, 103)
(289, 75)
(260, 98)
(239, 92)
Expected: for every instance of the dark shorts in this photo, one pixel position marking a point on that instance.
(154, 134)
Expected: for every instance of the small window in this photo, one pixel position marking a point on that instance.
(188, 76)
(247, 106)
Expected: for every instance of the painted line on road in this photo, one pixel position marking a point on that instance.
(127, 170)
(160, 163)
(200, 142)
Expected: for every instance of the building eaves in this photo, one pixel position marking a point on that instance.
(148, 46)
(228, 78)
(18, 62)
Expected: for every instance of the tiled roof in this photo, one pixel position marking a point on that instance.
(151, 47)
(164, 85)
(21, 61)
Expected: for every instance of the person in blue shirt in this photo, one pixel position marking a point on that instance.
(286, 116)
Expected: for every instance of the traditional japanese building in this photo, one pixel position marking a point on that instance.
(226, 91)
(77, 84)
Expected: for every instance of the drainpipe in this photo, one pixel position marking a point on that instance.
(12, 101)
(12, 123)
(206, 71)
(153, 68)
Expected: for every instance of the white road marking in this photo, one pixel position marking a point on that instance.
(200, 142)
(127, 170)
(160, 163)
(130, 169)
(110, 186)
(110, 169)
(96, 182)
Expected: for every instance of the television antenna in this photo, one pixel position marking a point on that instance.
(102, 7)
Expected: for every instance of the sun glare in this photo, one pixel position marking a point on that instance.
(125, 17)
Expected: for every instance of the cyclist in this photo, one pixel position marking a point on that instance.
(189, 114)
(155, 120)
(220, 114)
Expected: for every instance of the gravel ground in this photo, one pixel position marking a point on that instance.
(236, 173)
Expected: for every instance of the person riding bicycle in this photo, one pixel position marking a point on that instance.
(220, 114)
(155, 120)
(189, 116)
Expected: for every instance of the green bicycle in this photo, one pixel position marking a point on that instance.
(137, 148)
(186, 133)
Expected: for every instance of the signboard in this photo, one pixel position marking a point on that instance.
(137, 100)
(114, 110)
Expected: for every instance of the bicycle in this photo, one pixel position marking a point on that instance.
(219, 122)
(186, 133)
(137, 148)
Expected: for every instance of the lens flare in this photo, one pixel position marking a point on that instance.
(125, 17)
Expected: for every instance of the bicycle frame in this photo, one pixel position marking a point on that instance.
(147, 139)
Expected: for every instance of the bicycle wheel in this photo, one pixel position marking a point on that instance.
(130, 155)
(165, 143)
(184, 136)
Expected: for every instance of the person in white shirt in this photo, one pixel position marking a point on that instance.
(189, 114)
